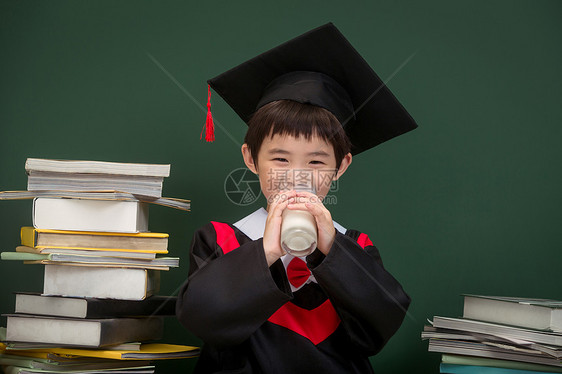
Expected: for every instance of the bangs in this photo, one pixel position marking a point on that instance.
(286, 117)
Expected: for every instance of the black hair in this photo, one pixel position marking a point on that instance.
(287, 117)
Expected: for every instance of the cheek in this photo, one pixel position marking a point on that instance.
(322, 191)
(268, 184)
(274, 179)
(323, 183)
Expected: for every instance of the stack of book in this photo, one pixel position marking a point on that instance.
(499, 335)
(138, 179)
(99, 305)
(96, 180)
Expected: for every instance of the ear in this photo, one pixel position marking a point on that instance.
(248, 159)
(345, 162)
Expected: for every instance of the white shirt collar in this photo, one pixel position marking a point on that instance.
(253, 225)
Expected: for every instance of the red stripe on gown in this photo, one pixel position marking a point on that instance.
(363, 240)
(316, 325)
(225, 237)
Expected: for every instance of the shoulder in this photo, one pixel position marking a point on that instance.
(221, 234)
(361, 238)
(214, 227)
(364, 242)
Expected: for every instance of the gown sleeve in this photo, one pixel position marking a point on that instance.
(369, 301)
(229, 296)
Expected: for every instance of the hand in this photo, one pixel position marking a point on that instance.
(272, 233)
(313, 204)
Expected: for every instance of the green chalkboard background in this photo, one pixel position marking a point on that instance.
(468, 203)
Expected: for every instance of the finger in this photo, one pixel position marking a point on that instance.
(306, 194)
(313, 206)
(297, 206)
(275, 200)
(309, 198)
(280, 197)
(276, 210)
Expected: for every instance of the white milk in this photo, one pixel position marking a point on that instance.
(298, 232)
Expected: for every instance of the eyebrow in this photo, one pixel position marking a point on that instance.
(285, 152)
(278, 151)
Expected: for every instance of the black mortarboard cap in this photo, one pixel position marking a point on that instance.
(321, 68)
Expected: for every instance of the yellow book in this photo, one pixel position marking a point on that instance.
(95, 240)
(153, 351)
(29, 353)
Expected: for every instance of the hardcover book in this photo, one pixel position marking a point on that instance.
(81, 332)
(88, 307)
(540, 314)
(90, 215)
(144, 241)
(102, 282)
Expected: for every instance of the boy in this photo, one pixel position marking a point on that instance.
(310, 104)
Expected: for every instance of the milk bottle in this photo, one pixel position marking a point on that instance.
(298, 231)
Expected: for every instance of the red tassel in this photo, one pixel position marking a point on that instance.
(209, 127)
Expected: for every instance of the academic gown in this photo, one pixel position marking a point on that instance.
(327, 316)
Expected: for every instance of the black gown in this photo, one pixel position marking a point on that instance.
(256, 319)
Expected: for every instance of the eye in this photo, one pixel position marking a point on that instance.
(280, 159)
(316, 162)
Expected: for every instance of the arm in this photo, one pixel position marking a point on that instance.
(227, 297)
(369, 301)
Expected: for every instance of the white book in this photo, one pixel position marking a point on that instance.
(138, 185)
(90, 215)
(100, 282)
(85, 252)
(503, 331)
(91, 307)
(97, 167)
(181, 204)
(81, 332)
(21, 370)
(541, 314)
(160, 263)
(70, 175)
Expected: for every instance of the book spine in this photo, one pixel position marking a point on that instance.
(28, 236)
(123, 330)
(154, 305)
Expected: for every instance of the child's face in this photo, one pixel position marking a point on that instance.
(285, 161)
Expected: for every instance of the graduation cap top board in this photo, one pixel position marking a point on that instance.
(320, 68)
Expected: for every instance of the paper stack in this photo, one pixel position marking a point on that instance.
(99, 303)
(496, 335)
